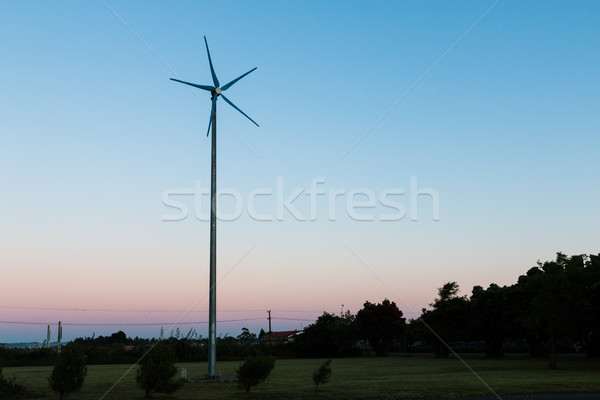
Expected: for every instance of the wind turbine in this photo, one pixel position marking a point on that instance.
(216, 90)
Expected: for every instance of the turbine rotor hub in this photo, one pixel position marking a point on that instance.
(218, 91)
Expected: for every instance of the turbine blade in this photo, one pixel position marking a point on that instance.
(212, 70)
(230, 84)
(209, 88)
(209, 124)
(212, 111)
(234, 106)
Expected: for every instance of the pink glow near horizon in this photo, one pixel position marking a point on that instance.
(163, 292)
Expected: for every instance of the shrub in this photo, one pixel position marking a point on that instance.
(322, 374)
(254, 370)
(69, 371)
(9, 389)
(156, 371)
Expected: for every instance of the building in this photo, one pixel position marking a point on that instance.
(277, 338)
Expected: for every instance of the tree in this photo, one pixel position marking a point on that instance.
(156, 370)
(69, 371)
(9, 388)
(322, 374)
(380, 324)
(559, 292)
(254, 370)
(449, 318)
(415, 334)
(117, 338)
(488, 317)
(447, 292)
(246, 337)
(591, 306)
(331, 335)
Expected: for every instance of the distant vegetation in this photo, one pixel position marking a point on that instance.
(552, 308)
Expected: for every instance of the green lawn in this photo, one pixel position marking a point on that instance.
(353, 378)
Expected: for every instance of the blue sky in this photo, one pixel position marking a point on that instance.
(504, 128)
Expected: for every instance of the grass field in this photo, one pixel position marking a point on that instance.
(352, 378)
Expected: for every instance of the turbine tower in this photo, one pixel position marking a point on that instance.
(216, 90)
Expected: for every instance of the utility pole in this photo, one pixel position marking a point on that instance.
(59, 334)
(270, 331)
(48, 337)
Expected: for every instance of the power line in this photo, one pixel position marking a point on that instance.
(113, 310)
(292, 319)
(407, 314)
(126, 323)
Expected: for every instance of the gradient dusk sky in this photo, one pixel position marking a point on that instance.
(447, 141)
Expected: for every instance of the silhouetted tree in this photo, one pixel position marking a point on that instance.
(156, 370)
(246, 337)
(118, 338)
(489, 317)
(322, 374)
(449, 318)
(69, 372)
(329, 336)
(9, 388)
(380, 324)
(416, 332)
(591, 307)
(254, 370)
(555, 310)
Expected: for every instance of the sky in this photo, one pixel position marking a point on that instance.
(401, 145)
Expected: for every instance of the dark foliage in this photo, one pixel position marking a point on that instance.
(553, 307)
(69, 371)
(255, 370)
(156, 371)
(10, 389)
(322, 374)
(329, 336)
(561, 306)
(449, 319)
(12, 357)
(488, 317)
(380, 324)
(246, 337)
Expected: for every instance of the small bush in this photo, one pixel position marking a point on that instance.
(69, 371)
(9, 389)
(156, 371)
(254, 370)
(322, 374)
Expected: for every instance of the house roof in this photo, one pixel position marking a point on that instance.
(281, 334)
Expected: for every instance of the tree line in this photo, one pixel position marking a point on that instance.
(553, 307)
